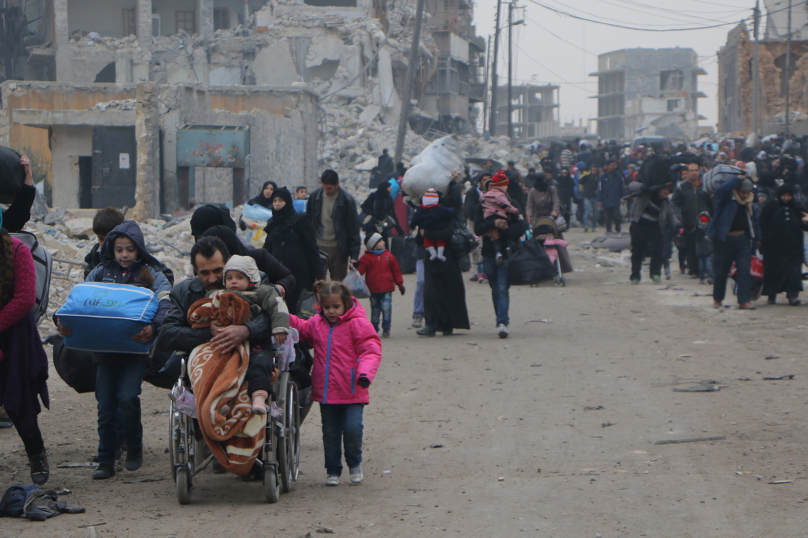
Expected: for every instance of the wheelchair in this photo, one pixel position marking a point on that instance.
(278, 459)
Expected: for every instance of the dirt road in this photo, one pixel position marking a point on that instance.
(548, 433)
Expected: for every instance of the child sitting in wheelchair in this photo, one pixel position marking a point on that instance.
(241, 276)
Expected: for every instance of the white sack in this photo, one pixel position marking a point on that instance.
(433, 167)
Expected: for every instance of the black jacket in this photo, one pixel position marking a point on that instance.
(176, 333)
(19, 212)
(346, 221)
(689, 203)
(481, 228)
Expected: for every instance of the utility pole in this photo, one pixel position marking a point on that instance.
(756, 75)
(492, 122)
(788, 68)
(404, 118)
(510, 70)
(485, 81)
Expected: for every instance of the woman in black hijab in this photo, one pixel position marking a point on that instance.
(277, 274)
(290, 239)
(377, 208)
(264, 197)
(208, 216)
(782, 222)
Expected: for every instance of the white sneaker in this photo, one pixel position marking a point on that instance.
(357, 478)
(332, 480)
(502, 330)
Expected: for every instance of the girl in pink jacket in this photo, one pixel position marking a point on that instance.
(347, 352)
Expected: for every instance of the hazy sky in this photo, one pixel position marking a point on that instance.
(546, 58)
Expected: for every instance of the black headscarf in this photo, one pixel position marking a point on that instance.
(229, 238)
(263, 200)
(541, 183)
(208, 216)
(287, 213)
(786, 188)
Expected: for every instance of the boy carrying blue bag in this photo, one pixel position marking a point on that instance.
(124, 260)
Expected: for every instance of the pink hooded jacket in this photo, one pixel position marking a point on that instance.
(342, 352)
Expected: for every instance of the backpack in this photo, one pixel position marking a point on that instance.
(43, 266)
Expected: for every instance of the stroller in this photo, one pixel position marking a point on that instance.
(546, 232)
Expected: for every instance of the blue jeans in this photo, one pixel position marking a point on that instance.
(736, 249)
(117, 386)
(342, 426)
(590, 212)
(706, 265)
(418, 301)
(500, 281)
(381, 303)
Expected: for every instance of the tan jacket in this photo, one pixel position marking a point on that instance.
(542, 204)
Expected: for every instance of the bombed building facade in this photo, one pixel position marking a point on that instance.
(276, 77)
(648, 92)
(736, 74)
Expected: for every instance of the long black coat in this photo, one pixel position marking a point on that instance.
(782, 247)
(292, 243)
(444, 291)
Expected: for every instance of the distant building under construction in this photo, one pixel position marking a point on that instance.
(649, 92)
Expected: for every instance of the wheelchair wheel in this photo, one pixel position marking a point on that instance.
(183, 479)
(172, 444)
(272, 486)
(288, 450)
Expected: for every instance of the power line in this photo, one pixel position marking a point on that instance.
(553, 72)
(653, 15)
(637, 5)
(624, 27)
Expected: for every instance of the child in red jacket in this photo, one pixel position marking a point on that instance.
(383, 275)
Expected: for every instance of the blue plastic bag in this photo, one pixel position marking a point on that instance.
(256, 212)
(104, 317)
(300, 205)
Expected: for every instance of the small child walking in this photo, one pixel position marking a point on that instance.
(432, 216)
(124, 260)
(383, 275)
(347, 353)
(241, 276)
(497, 206)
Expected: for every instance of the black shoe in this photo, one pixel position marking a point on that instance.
(426, 331)
(448, 332)
(39, 468)
(772, 300)
(5, 422)
(474, 277)
(134, 459)
(794, 302)
(103, 472)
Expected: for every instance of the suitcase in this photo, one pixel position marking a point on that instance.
(402, 249)
(103, 317)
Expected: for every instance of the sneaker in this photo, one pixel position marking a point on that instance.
(356, 475)
(332, 480)
(103, 472)
(134, 459)
(275, 411)
(586, 229)
(500, 258)
(502, 330)
(656, 279)
(635, 281)
(40, 471)
(426, 331)
(474, 277)
(386, 333)
(482, 279)
(702, 281)
(418, 321)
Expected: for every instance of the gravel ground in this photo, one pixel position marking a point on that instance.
(549, 433)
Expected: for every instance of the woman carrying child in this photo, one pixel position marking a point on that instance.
(347, 353)
(124, 260)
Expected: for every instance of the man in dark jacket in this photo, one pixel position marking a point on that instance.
(612, 189)
(498, 275)
(336, 224)
(689, 201)
(208, 256)
(735, 232)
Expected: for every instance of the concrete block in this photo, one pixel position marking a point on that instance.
(323, 48)
(274, 66)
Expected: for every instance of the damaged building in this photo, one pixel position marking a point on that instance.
(736, 73)
(320, 72)
(534, 108)
(648, 92)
